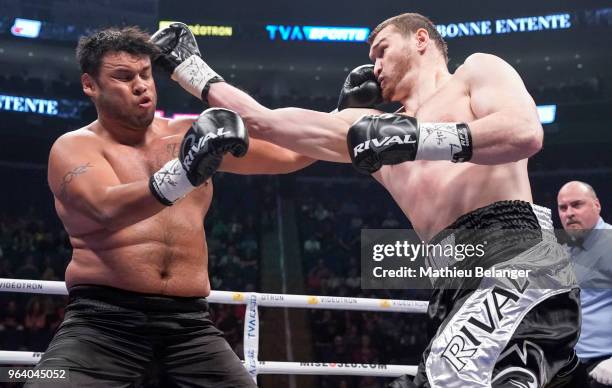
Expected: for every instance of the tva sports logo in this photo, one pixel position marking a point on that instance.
(196, 146)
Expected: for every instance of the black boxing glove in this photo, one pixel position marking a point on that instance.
(181, 58)
(360, 89)
(215, 132)
(393, 138)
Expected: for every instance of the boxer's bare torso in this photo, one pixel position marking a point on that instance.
(485, 92)
(433, 194)
(163, 254)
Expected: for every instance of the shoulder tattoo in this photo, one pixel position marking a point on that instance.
(70, 175)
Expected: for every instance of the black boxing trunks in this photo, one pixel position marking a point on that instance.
(499, 330)
(115, 338)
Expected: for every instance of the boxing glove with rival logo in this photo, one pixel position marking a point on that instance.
(392, 138)
(215, 132)
(181, 58)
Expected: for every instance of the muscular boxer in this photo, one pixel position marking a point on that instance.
(454, 160)
(132, 192)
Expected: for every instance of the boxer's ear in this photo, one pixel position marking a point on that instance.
(89, 84)
(422, 39)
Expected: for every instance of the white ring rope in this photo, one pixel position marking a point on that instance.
(251, 327)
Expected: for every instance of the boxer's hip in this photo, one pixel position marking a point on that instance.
(147, 316)
(506, 237)
(147, 303)
(478, 319)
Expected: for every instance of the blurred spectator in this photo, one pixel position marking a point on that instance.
(29, 270)
(35, 318)
(369, 382)
(312, 246)
(11, 328)
(317, 274)
(390, 222)
(364, 353)
(49, 269)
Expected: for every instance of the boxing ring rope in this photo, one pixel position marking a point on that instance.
(251, 327)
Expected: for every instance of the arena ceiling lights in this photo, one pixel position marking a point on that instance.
(26, 28)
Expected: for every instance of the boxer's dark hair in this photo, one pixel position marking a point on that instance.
(409, 23)
(92, 48)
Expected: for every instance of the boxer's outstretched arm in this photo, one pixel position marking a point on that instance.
(265, 158)
(507, 128)
(318, 135)
(81, 179)
(262, 157)
(314, 134)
